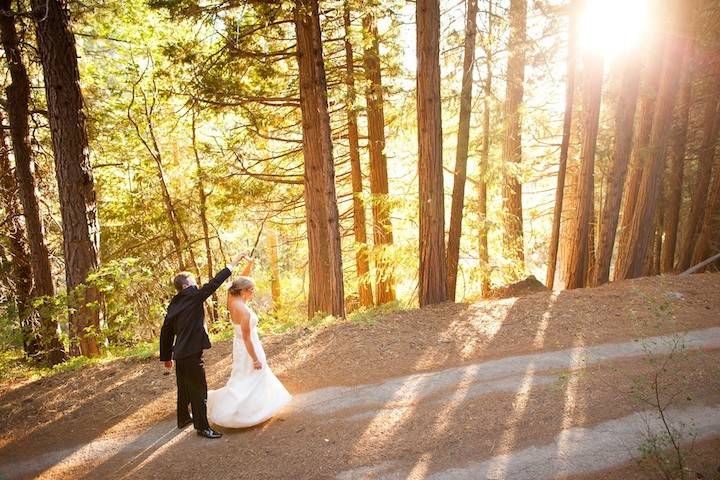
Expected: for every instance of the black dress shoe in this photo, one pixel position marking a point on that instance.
(209, 433)
(185, 423)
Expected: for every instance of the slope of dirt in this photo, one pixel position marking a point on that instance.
(100, 403)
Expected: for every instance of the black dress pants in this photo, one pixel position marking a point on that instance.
(191, 390)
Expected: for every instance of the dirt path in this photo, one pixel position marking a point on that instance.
(553, 393)
(574, 450)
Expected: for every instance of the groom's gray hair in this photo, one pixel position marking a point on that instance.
(181, 280)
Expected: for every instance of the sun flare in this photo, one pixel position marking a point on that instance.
(613, 27)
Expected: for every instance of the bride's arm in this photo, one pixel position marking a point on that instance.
(248, 266)
(243, 318)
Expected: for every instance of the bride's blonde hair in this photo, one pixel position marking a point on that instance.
(240, 284)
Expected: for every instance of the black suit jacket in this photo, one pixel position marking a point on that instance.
(185, 320)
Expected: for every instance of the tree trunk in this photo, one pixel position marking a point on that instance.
(484, 253)
(18, 101)
(203, 217)
(365, 293)
(592, 234)
(274, 269)
(458, 196)
(564, 146)
(20, 271)
(325, 264)
(624, 124)
(433, 278)
(711, 124)
(642, 229)
(578, 254)
(66, 116)
(700, 252)
(382, 227)
(512, 145)
(640, 151)
(674, 180)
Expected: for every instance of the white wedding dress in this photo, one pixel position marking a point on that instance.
(250, 396)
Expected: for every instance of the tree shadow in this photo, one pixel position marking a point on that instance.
(441, 406)
(107, 400)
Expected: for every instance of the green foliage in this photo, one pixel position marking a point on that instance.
(370, 316)
(133, 302)
(661, 388)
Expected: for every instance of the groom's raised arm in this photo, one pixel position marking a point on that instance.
(210, 287)
(214, 283)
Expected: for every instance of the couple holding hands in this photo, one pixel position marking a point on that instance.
(252, 394)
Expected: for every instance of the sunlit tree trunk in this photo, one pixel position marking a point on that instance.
(56, 45)
(18, 102)
(624, 123)
(359, 225)
(564, 146)
(592, 234)
(711, 130)
(484, 253)
(642, 228)
(382, 227)
(512, 145)
(461, 158)
(433, 278)
(649, 91)
(326, 291)
(578, 254)
(275, 288)
(674, 180)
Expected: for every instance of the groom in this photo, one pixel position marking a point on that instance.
(185, 324)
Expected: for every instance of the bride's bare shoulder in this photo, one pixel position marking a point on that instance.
(239, 312)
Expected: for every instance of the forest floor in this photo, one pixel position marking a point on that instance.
(550, 385)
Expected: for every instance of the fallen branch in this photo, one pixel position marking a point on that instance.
(701, 265)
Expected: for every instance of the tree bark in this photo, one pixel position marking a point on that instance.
(642, 229)
(674, 181)
(382, 226)
(461, 157)
(484, 252)
(325, 264)
(362, 263)
(20, 271)
(700, 251)
(578, 255)
(640, 150)
(711, 123)
(512, 145)
(433, 278)
(18, 101)
(624, 127)
(66, 116)
(564, 146)
(274, 268)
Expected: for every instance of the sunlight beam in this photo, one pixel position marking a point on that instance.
(613, 27)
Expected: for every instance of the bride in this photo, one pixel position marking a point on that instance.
(253, 393)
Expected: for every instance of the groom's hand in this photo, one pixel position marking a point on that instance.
(237, 259)
(168, 364)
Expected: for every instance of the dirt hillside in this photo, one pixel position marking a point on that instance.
(50, 427)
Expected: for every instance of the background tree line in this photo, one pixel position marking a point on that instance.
(374, 153)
